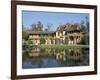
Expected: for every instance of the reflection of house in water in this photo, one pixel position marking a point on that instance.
(61, 56)
(75, 54)
(71, 54)
(35, 52)
(54, 58)
(68, 33)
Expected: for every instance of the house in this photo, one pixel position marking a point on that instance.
(65, 34)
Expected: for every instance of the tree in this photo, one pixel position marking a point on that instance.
(37, 27)
(26, 43)
(49, 27)
(87, 24)
(27, 46)
(42, 40)
(66, 40)
(25, 35)
(87, 35)
(33, 27)
(83, 27)
(85, 40)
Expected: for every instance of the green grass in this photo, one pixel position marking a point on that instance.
(57, 46)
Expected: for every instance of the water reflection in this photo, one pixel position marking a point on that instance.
(42, 58)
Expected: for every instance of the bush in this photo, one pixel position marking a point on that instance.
(66, 40)
(85, 40)
(42, 40)
(27, 46)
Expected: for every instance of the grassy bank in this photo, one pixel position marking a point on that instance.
(62, 46)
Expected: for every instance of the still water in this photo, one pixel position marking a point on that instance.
(46, 58)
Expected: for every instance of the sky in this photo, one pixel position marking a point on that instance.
(54, 18)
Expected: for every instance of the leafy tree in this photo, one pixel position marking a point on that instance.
(85, 29)
(26, 43)
(85, 40)
(27, 46)
(25, 35)
(66, 40)
(42, 40)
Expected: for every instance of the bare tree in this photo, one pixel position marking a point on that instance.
(37, 27)
(49, 27)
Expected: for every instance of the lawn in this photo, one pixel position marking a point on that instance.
(57, 46)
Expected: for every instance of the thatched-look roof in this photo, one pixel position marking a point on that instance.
(41, 32)
(69, 27)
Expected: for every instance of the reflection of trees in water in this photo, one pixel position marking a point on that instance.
(70, 53)
(75, 54)
(73, 57)
(25, 57)
(63, 57)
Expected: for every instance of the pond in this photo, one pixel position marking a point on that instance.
(48, 58)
